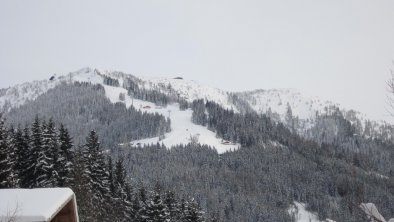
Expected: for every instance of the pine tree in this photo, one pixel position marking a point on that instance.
(51, 148)
(64, 165)
(96, 176)
(191, 212)
(122, 192)
(172, 206)
(81, 187)
(156, 210)
(21, 141)
(28, 177)
(111, 178)
(44, 164)
(289, 118)
(130, 212)
(35, 141)
(8, 176)
(14, 176)
(140, 204)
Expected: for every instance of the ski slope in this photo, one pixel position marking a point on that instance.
(182, 128)
(191, 90)
(300, 214)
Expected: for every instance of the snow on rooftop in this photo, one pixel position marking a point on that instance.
(33, 205)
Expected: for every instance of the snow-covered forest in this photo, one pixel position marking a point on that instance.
(41, 156)
(174, 150)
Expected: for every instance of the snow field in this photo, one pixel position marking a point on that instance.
(182, 128)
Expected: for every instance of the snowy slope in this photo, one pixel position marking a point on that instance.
(191, 90)
(18, 95)
(300, 214)
(279, 99)
(304, 108)
(182, 128)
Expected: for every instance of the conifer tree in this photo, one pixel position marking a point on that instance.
(44, 162)
(22, 156)
(27, 177)
(156, 210)
(96, 175)
(8, 177)
(81, 186)
(12, 149)
(140, 204)
(121, 191)
(51, 151)
(64, 164)
(36, 146)
(191, 212)
(111, 179)
(172, 206)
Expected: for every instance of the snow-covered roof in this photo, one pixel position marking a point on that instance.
(33, 205)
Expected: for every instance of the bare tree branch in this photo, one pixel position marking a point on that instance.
(11, 215)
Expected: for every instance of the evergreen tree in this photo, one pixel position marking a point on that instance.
(21, 140)
(8, 176)
(130, 212)
(64, 165)
(172, 206)
(12, 155)
(51, 145)
(111, 178)
(122, 191)
(82, 188)
(96, 175)
(44, 165)
(36, 147)
(191, 212)
(156, 210)
(141, 206)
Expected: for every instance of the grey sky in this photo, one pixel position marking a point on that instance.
(340, 50)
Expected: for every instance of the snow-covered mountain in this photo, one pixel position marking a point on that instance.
(183, 130)
(278, 101)
(176, 125)
(275, 102)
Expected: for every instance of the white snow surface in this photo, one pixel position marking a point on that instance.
(182, 128)
(191, 90)
(20, 94)
(302, 215)
(277, 100)
(302, 106)
(33, 205)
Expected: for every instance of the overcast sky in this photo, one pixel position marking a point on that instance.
(339, 50)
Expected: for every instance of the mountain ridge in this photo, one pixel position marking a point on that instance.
(272, 102)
